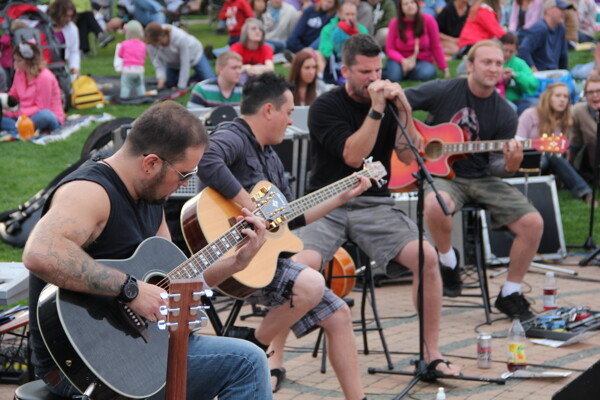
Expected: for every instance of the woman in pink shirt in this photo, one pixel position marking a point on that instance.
(482, 24)
(37, 90)
(413, 45)
(133, 53)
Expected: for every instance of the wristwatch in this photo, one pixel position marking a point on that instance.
(376, 115)
(129, 290)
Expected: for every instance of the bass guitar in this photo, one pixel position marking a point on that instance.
(445, 143)
(208, 213)
(103, 348)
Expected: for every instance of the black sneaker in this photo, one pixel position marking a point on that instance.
(288, 55)
(208, 52)
(451, 278)
(515, 306)
(104, 39)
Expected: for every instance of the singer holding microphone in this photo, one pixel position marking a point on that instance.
(348, 124)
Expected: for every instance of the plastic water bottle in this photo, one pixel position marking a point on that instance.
(550, 292)
(516, 346)
(441, 395)
(25, 127)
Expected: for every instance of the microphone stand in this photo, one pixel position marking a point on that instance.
(423, 370)
(589, 243)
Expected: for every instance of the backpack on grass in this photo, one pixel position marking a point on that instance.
(86, 93)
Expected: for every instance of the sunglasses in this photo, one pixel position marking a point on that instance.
(184, 177)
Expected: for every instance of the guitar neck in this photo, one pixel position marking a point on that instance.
(481, 146)
(301, 205)
(207, 256)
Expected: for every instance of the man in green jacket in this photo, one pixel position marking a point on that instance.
(521, 83)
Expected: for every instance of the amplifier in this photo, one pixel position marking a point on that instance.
(541, 191)
(14, 282)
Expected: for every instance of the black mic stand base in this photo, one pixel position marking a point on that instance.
(591, 256)
(423, 373)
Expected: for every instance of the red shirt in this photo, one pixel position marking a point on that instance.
(242, 12)
(253, 57)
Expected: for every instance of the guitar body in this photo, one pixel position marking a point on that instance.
(401, 175)
(92, 340)
(342, 265)
(208, 214)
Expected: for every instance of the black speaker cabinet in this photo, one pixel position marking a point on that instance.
(541, 191)
(585, 387)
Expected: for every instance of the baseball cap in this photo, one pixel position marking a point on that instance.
(562, 4)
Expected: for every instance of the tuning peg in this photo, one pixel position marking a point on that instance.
(208, 293)
(162, 325)
(194, 310)
(163, 310)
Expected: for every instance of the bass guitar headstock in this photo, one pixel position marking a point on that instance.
(272, 205)
(375, 171)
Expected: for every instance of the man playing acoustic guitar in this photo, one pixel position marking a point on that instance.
(239, 157)
(104, 210)
(346, 125)
(474, 105)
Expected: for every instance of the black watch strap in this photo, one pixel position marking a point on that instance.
(376, 115)
(129, 290)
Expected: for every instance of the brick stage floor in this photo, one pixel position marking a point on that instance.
(458, 342)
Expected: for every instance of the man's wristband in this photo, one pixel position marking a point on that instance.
(376, 115)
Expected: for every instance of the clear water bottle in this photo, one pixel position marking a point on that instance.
(441, 395)
(516, 346)
(550, 292)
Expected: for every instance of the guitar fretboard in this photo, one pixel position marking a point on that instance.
(480, 146)
(301, 205)
(207, 256)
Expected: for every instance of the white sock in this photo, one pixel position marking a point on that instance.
(510, 287)
(449, 259)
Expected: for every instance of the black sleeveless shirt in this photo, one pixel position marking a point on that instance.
(128, 224)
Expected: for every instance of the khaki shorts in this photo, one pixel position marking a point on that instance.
(505, 202)
(371, 222)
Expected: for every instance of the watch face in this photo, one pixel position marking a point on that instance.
(130, 290)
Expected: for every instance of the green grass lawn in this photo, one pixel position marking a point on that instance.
(26, 168)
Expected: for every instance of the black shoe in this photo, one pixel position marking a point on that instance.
(208, 52)
(451, 278)
(288, 55)
(104, 39)
(515, 306)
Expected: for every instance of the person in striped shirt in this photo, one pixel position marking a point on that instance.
(225, 88)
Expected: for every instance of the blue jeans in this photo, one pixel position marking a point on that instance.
(43, 120)
(423, 71)
(132, 85)
(559, 166)
(277, 45)
(233, 369)
(202, 70)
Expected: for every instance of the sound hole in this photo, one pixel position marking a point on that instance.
(433, 150)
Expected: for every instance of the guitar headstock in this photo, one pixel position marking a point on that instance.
(272, 205)
(184, 307)
(551, 144)
(375, 171)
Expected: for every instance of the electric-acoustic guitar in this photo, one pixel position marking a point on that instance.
(106, 350)
(445, 143)
(208, 213)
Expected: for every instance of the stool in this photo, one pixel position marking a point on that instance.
(35, 390)
(472, 229)
(367, 291)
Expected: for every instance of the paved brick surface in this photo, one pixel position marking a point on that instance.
(457, 339)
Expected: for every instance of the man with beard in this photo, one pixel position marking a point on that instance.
(346, 125)
(476, 107)
(104, 210)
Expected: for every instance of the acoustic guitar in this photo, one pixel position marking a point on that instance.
(106, 350)
(208, 213)
(342, 273)
(445, 143)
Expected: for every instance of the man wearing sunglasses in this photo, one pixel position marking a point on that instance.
(104, 210)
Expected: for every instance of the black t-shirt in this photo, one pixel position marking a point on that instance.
(489, 118)
(332, 118)
(129, 223)
(449, 22)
